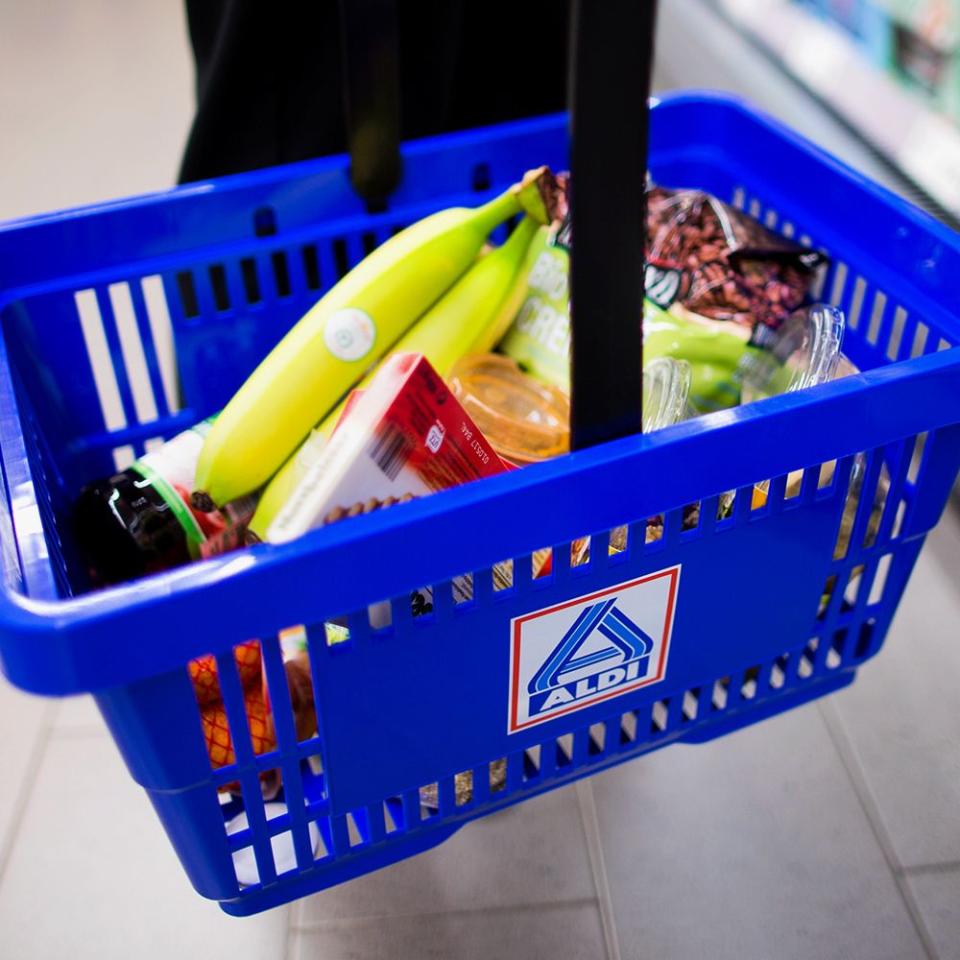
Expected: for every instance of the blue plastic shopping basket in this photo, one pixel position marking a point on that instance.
(719, 626)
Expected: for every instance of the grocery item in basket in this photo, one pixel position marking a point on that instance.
(706, 262)
(470, 312)
(219, 737)
(844, 367)
(334, 344)
(205, 677)
(713, 353)
(406, 437)
(463, 787)
(539, 341)
(719, 262)
(803, 352)
(142, 521)
(466, 313)
(527, 420)
(217, 731)
(539, 336)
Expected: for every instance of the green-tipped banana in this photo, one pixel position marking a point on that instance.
(494, 331)
(462, 316)
(453, 327)
(334, 344)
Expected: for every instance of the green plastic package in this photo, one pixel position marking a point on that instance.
(714, 356)
(539, 338)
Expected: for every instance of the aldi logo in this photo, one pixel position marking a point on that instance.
(601, 645)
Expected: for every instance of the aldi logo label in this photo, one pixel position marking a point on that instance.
(584, 651)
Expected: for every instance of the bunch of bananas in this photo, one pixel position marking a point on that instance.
(431, 289)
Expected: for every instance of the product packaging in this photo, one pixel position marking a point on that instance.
(805, 351)
(407, 436)
(718, 271)
(141, 521)
(257, 705)
(524, 419)
(527, 420)
(539, 337)
(713, 351)
(720, 263)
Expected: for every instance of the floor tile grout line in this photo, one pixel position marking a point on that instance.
(428, 915)
(27, 785)
(289, 936)
(294, 926)
(851, 764)
(922, 869)
(591, 828)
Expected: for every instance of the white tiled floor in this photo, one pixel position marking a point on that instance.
(833, 831)
(903, 717)
(95, 100)
(938, 894)
(91, 873)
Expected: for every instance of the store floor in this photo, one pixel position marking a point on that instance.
(832, 831)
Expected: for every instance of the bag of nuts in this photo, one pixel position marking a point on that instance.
(718, 262)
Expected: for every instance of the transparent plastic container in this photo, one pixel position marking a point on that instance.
(804, 352)
(527, 420)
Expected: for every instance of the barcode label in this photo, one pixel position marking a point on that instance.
(391, 450)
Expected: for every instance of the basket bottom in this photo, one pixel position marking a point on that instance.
(282, 892)
(385, 854)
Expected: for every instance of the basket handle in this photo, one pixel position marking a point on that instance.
(371, 82)
(611, 51)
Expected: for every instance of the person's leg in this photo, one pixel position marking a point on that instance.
(268, 85)
(269, 75)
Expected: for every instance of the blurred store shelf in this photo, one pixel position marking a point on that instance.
(700, 46)
(896, 122)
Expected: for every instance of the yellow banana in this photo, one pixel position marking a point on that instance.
(448, 331)
(334, 344)
(494, 331)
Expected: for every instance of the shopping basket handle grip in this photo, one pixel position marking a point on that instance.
(371, 91)
(611, 51)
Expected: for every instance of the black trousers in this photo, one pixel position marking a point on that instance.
(269, 74)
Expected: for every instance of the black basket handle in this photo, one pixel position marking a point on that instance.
(371, 65)
(611, 52)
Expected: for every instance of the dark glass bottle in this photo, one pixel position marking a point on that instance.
(125, 529)
(141, 521)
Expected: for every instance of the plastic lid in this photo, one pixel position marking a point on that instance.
(803, 352)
